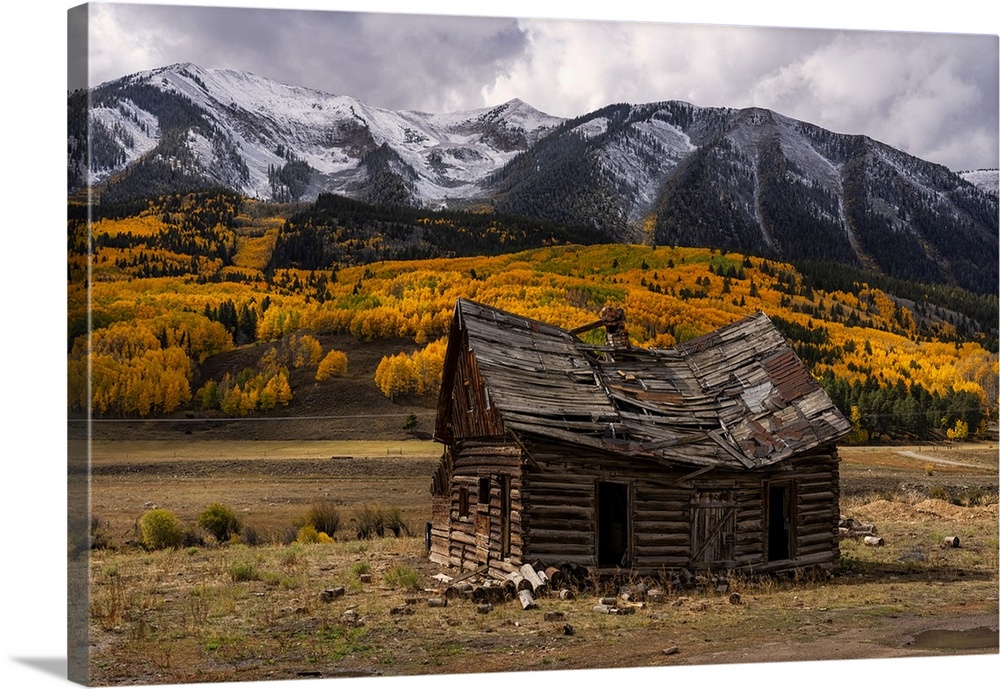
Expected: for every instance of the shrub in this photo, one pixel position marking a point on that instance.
(369, 522)
(359, 568)
(99, 538)
(220, 521)
(250, 536)
(243, 571)
(324, 517)
(394, 523)
(401, 576)
(938, 493)
(160, 529)
(307, 534)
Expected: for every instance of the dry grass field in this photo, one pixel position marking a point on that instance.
(210, 613)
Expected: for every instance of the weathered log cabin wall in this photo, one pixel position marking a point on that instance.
(477, 518)
(715, 521)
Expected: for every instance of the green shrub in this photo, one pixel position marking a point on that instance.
(160, 529)
(401, 576)
(220, 521)
(243, 571)
(324, 517)
(359, 568)
(938, 493)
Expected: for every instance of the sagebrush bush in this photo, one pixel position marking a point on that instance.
(220, 521)
(160, 529)
(394, 523)
(99, 537)
(324, 517)
(402, 576)
(243, 571)
(369, 522)
(250, 536)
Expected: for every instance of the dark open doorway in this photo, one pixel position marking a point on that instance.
(505, 510)
(778, 522)
(612, 527)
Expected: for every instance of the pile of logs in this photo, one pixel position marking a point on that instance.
(851, 528)
(525, 584)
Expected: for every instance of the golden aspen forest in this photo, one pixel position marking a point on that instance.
(167, 285)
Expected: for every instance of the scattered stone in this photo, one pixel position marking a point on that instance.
(554, 615)
(670, 651)
(352, 618)
(328, 595)
(401, 610)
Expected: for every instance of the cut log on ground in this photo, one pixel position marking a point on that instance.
(537, 587)
(527, 600)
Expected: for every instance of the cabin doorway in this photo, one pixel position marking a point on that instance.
(612, 524)
(504, 516)
(779, 527)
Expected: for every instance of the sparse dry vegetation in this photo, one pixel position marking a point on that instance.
(359, 607)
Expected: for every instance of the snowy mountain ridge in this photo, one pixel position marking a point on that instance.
(668, 172)
(258, 125)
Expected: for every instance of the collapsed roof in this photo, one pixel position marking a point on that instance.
(737, 397)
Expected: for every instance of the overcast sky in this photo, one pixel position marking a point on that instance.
(932, 95)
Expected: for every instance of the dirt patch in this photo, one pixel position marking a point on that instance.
(933, 508)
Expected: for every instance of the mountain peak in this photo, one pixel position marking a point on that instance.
(748, 179)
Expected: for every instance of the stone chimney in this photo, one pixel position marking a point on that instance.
(613, 319)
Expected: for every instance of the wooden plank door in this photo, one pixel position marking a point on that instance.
(713, 527)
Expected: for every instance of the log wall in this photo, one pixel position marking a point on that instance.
(467, 540)
(560, 514)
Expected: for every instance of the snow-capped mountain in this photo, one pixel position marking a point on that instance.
(987, 180)
(272, 140)
(748, 179)
(759, 182)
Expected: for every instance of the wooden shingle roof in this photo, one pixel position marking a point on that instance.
(736, 397)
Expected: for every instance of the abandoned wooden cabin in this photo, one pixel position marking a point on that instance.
(716, 454)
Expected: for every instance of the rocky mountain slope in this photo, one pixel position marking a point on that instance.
(671, 172)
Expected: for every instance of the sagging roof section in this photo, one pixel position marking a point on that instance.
(737, 397)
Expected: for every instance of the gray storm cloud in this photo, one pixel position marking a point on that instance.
(932, 95)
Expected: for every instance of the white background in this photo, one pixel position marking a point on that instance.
(32, 160)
